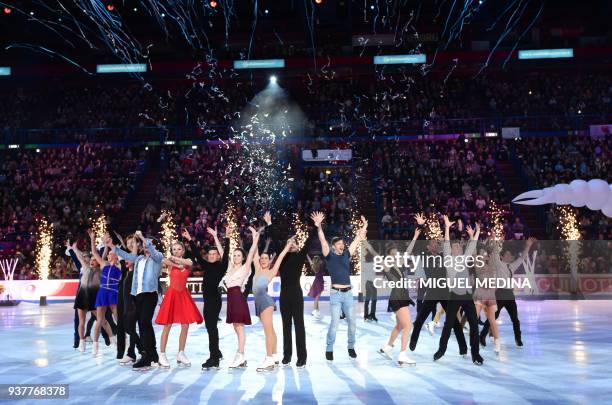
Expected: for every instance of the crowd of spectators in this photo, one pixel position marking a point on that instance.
(66, 186)
(550, 161)
(384, 103)
(455, 178)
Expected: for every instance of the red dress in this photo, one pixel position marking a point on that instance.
(178, 306)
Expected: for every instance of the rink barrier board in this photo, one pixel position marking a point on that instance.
(58, 291)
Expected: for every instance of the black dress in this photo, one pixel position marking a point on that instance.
(399, 296)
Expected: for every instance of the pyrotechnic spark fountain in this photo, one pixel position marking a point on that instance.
(44, 248)
(355, 226)
(568, 226)
(99, 228)
(432, 227)
(232, 222)
(300, 229)
(496, 214)
(168, 232)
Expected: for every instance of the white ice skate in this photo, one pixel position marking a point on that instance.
(385, 351)
(404, 360)
(267, 365)
(430, 327)
(82, 345)
(239, 361)
(497, 345)
(127, 361)
(182, 359)
(96, 349)
(163, 361)
(316, 314)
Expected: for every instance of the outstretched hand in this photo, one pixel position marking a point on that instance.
(420, 218)
(267, 218)
(185, 234)
(212, 232)
(317, 217)
(447, 222)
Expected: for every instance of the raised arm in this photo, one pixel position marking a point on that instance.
(279, 259)
(317, 218)
(254, 247)
(195, 252)
(369, 248)
(215, 236)
(446, 245)
(75, 255)
(156, 255)
(447, 225)
(130, 257)
(474, 235)
(181, 261)
(417, 232)
(94, 251)
(519, 260)
(361, 236)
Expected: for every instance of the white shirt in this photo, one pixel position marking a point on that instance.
(140, 274)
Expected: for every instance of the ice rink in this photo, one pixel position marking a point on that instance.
(566, 359)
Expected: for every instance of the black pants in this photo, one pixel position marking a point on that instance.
(454, 303)
(212, 308)
(428, 307)
(292, 310)
(145, 307)
(126, 326)
(371, 294)
(506, 300)
(432, 310)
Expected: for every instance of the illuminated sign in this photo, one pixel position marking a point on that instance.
(400, 59)
(124, 68)
(259, 64)
(546, 53)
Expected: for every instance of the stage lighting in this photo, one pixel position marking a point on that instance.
(319, 1)
(267, 11)
(213, 4)
(110, 7)
(8, 10)
(273, 80)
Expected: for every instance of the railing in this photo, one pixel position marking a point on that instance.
(357, 130)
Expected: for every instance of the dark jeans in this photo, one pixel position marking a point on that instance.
(212, 307)
(371, 295)
(292, 311)
(454, 303)
(510, 304)
(428, 307)
(145, 307)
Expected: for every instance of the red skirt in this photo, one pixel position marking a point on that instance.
(237, 307)
(178, 307)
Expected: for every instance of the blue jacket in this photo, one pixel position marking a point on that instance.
(152, 268)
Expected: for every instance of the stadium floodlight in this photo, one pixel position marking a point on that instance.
(400, 59)
(122, 68)
(273, 79)
(259, 64)
(546, 53)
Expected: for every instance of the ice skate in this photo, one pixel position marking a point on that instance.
(404, 360)
(267, 365)
(385, 351)
(239, 361)
(182, 359)
(163, 361)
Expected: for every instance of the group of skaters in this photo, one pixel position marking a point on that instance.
(119, 286)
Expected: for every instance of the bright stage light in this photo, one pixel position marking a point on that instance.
(273, 79)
